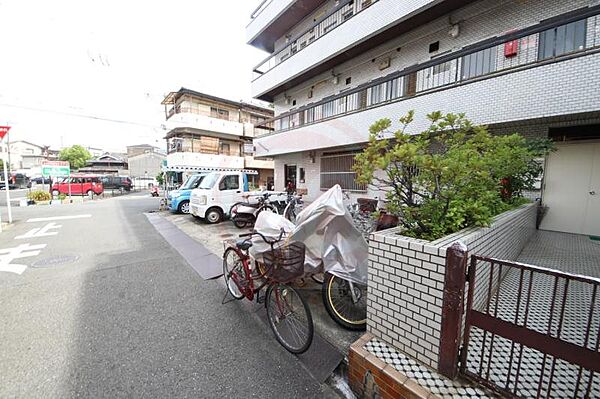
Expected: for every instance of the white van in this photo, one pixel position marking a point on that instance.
(215, 196)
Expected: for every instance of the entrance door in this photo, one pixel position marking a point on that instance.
(572, 189)
(290, 176)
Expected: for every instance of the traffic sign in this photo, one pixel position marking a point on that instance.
(4, 131)
(56, 168)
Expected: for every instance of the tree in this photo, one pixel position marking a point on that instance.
(160, 178)
(451, 176)
(76, 155)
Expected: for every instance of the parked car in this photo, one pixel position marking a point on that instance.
(41, 180)
(179, 200)
(116, 183)
(218, 192)
(16, 181)
(80, 185)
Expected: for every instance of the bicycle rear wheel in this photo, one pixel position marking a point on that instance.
(340, 304)
(233, 269)
(289, 317)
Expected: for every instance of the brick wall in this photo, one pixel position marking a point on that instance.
(406, 279)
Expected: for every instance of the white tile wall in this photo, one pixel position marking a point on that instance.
(406, 279)
(478, 21)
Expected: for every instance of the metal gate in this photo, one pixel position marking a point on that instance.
(531, 331)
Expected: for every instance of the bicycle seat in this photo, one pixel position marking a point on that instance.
(244, 245)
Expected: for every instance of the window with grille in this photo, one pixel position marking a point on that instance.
(562, 40)
(480, 63)
(337, 169)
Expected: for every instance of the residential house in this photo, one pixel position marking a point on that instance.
(337, 66)
(208, 133)
(145, 163)
(25, 155)
(111, 163)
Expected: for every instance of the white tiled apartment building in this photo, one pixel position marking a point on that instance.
(337, 66)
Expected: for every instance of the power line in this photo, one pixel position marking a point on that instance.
(93, 117)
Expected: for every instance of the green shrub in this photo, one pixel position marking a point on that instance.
(451, 176)
(39, 195)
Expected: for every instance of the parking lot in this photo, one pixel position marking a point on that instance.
(212, 236)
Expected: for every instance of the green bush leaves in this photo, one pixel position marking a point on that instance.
(451, 176)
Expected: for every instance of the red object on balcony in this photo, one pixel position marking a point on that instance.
(511, 48)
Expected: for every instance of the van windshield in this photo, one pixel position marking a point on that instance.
(209, 180)
(192, 182)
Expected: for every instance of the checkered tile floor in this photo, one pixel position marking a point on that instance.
(573, 253)
(427, 378)
(566, 252)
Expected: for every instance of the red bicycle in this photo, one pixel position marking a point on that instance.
(287, 312)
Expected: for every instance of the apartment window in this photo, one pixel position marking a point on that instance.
(225, 149)
(337, 169)
(479, 63)
(219, 113)
(328, 109)
(562, 39)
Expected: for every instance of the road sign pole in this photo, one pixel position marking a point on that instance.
(7, 187)
(69, 185)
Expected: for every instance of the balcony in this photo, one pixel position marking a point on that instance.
(373, 22)
(252, 163)
(522, 75)
(273, 18)
(179, 117)
(182, 160)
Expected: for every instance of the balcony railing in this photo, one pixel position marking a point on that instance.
(337, 17)
(518, 49)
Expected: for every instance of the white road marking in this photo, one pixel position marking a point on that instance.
(57, 218)
(41, 232)
(7, 255)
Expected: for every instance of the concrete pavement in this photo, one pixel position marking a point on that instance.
(111, 310)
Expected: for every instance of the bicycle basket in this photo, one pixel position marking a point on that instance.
(286, 263)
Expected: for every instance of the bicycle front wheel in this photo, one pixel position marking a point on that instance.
(289, 317)
(234, 273)
(290, 213)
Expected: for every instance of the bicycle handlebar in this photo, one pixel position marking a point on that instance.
(265, 239)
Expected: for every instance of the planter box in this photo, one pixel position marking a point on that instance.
(42, 202)
(406, 279)
(56, 202)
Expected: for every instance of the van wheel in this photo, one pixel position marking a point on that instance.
(184, 207)
(213, 215)
(89, 193)
(55, 193)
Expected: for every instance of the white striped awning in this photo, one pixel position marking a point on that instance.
(201, 169)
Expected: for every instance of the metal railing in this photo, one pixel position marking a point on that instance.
(535, 333)
(478, 61)
(337, 17)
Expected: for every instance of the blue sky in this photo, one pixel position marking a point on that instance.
(115, 60)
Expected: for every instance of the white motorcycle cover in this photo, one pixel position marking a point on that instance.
(326, 228)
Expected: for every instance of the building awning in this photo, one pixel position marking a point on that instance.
(203, 169)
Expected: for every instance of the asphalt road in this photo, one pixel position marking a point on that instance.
(14, 194)
(111, 310)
